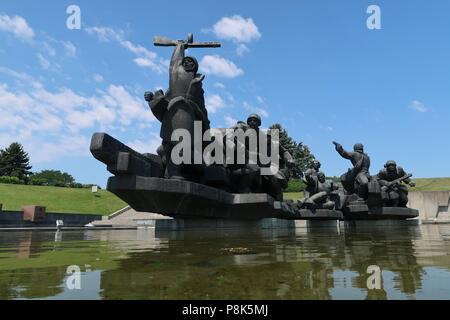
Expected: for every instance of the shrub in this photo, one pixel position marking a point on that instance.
(75, 185)
(37, 181)
(11, 180)
(295, 185)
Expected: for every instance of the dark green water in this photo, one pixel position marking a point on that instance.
(414, 263)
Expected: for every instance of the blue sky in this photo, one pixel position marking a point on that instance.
(312, 66)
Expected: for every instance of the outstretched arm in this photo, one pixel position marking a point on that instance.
(344, 154)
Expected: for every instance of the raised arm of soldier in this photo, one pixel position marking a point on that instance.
(344, 154)
(177, 55)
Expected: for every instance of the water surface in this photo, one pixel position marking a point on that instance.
(413, 263)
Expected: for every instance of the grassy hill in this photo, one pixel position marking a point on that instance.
(431, 184)
(58, 199)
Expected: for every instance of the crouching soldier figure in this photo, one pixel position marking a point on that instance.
(393, 192)
(322, 189)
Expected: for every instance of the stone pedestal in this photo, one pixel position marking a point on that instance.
(33, 213)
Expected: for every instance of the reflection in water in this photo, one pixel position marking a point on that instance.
(227, 264)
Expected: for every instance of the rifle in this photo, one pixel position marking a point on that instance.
(166, 42)
(393, 183)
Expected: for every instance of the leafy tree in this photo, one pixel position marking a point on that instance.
(52, 178)
(300, 153)
(15, 162)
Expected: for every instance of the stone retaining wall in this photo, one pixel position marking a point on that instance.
(14, 219)
(432, 205)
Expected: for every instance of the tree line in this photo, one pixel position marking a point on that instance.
(15, 169)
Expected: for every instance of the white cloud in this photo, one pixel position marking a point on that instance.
(130, 108)
(237, 29)
(70, 48)
(418, 106)
(145, 57)
(230, 121)
(241, 48)
(98, 77)
(213, 103)
(48, 48)
(219, 85)
(219, 66)
(260, 99)
(16, 25)
(73, 145)
(45, 64)
(257, 110)
(149, 146)
(50, 123)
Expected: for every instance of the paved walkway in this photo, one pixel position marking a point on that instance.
(128, 218)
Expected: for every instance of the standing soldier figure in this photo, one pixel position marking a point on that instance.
(182, 104)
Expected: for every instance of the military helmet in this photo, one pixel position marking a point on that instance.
(389, 163)
(358, 146)
(257, 117)
(316, 162)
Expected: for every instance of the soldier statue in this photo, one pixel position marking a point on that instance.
(183, 103)
(313, 170)
(273, 184)
(246, 177)
(393, 192)
(356, 180)
(321, 189)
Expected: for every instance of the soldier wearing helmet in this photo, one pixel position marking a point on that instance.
(393, 194)
(181, 105)
(319, 198)
(271, 184)
(254, 121)
(356, 180)
(312, 171)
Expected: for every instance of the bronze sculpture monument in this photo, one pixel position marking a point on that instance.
(238, 172)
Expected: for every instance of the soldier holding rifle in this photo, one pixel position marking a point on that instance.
(393, 192)
(182, 104)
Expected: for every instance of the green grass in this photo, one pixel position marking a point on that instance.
(292, 195)
(431, 184)
(58, 199)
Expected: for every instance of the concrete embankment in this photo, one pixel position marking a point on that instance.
(433, 206)
(14, 219)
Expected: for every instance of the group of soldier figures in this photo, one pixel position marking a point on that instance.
(322, 193)
(183, 104)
